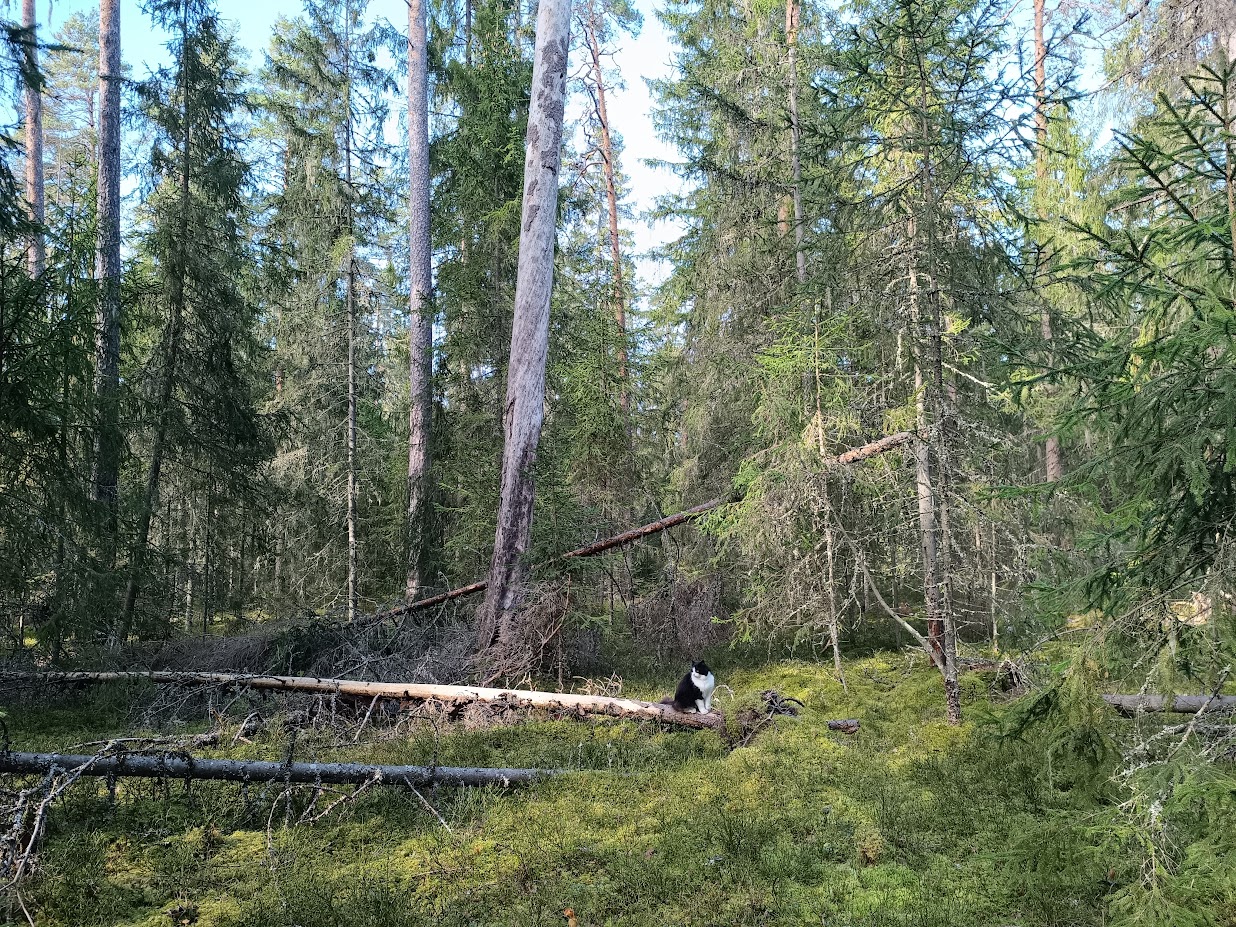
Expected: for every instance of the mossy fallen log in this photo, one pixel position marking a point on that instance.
(184, 766)
(1179, 704)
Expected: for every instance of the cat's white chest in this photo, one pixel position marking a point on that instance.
(705, 684)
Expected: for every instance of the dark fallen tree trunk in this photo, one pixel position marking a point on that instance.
(183, 766)
(1180, 704)
(866, 451)
(453, 696)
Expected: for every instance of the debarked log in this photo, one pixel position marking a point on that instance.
(453, 696)
(184, 766)
(1179, 704)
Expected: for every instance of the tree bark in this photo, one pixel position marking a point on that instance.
(183, 766)
(34, 142)
(611, 198)
(420, 308)
(106, 465)
(525, 390)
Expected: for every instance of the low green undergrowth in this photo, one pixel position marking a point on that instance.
(909, 823)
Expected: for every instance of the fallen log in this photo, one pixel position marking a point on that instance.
(854, 455)
(184, 766)
(567, 703)
(454, 696)
(1179, 704)
(844, 726)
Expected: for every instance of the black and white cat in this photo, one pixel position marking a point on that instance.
(694, 692)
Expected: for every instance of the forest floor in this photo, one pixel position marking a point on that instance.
(909, 822)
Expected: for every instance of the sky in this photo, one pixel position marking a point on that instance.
(646, 56)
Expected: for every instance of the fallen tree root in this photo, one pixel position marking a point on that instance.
(1179, 704)
(453, 696)
(184, 766)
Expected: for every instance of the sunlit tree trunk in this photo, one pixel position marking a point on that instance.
(34, 141)
(105, 475)
(525, 390)
(420, 308)
(350, 312)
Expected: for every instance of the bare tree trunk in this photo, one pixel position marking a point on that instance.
(34, 142)
(106, 468)
(525, 391)
(792, 10)
(1054, 461)
(350, 311)
(420, 309)
(931, 491)
(611, 198)
(171, 343)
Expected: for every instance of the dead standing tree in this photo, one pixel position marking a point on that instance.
(525, 387)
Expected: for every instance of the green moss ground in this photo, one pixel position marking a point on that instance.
(910, 822)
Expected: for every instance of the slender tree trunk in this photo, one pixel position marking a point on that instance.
(791, 38)
(350, 310)
(611, 198)
(171, 345)
(525, 391)
(1053, 458)
(105, 475)
(420, 308)
(34, 142)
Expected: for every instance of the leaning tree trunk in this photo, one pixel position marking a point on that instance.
(106, 468)
(525, 385)
(34, 140)
(420, 310)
